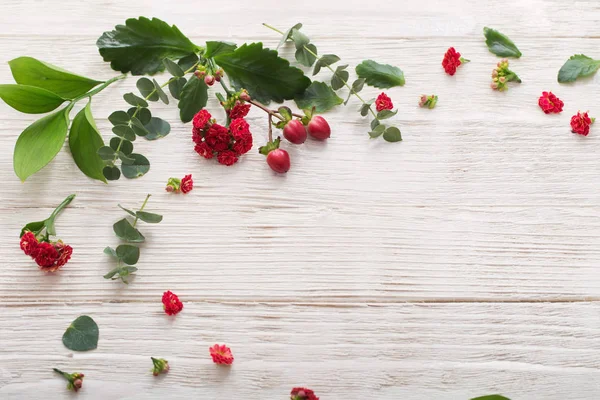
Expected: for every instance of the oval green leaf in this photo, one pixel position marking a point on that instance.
(140, 166)
(106, 153)
(392, 134)
(126, 145)
(128, 254)
(125, 132)
(81, 335)
(110, 251)
(128, 211)
(134, 100)
(119, 118)
(305, 55)
(161, 94)
(176, 86)
(146, 88)
(30, 99)
(138, 127)
(85, 142)
(143, 114)
(187, 62)
(111, 173)
(577, 66)
(324, 61)
(174, 69)
(125, 231)
(193, 98)
(500, 44)
(150, 218)
(381, 76)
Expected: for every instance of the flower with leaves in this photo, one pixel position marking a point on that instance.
(502, 75)
(428, 101)
(75, 380)
(452, 60)
(171, 303)
(581, 122)
(549, 103)
(300, 393)
(221, 354)
(160, 366)
(183, 185)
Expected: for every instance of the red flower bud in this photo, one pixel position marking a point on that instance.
(245, 96)
(209, 80)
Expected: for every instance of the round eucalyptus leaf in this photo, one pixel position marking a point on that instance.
(176, 86)
(140, 166)
(128, 254)
(134, 100)
(81, 335)
(111, 173)
(143, 114)
(157, 128)
(148, 217)
(146, 87)
(187, 62)
(174, 69)
(125, 132)
(392, 134)
(126, 145)
(118, 118)
(106, 153)
(124, 159)
(110, 251)
(138, 127)
(161, 94)
(125, 231)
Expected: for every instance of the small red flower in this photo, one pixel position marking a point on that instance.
(29, 243)
(240, 110)
(204, 150)
(383, 102)
(201, 119)
(46, 256)
(171, 303)
(303, 394)
(221, 354)
(581, 122)
(549, 103)
(197, 135)
(187, 184)
(218, 137)
(65, 251)
(243, 143)
(451, 61)
(239, 127)
(227, 157)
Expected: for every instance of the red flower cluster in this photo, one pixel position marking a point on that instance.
(171, 303)
(383, 102)
(184, 185)
(549, 103)
(452, 60)
(227, 145)
(239, 110)
(50, 256)
(221, 354)
(303, 394)
(581, 122)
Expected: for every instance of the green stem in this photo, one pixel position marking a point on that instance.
(99, 88)
(61, 206)
(64, 374)
(141, 209)
(352, 92)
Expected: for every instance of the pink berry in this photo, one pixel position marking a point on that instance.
(209, 80)
(318, 128)
(295, 132)
(279, 161)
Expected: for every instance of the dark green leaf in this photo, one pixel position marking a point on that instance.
(128, 211)
(364, 109)
(286, 113)
(119, 118)
(128, 254)
(176, 86)
(174, 69)
(33, 227)
(125, 159)
(111, 173)
(358, 85)
(39, 143)
(140, 166)
(500, 44)
(143, 115)
(135, 100)
(576, 66)
(340, 77)
(320, 96)
(125, 231)
(375, 123)
(110, 251)
(157, 128)
(107, 153)
(149, 217)
(32, 72)
(187, 62)
(491, 397)
(126, 145)
(324, 61)
(377, 130)
(265, 75)
(161, 94)
(141, 45)
(146, 88)
(305, 56)
(85, 142)
(193, 98)
(81, 335)
(138, 127)
(30, 99)
(124, 131)
(392, 134)
(381, 76)
(214, 48)
(385, 114)
(288, 34)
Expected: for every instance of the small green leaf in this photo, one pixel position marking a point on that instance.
(392, 134)
(140, 166)
(193, 98)
(85, 142)
(39, 143)
(500, 44)
(107, 153)
(126, 145)
(146, 88)
(121, 272)
(364, 109)
(176, 86)
(381, 76)
(188, 62)
(305, 56)
(577, 66)
(358, 85)
(34, 227)
(385, 114)
(30, 99)
(119, 118)
(299, 38)
(128, 211)
(150, 218)
(324, 61)
(174, 69)
(125, 159)
(110, 251)
(128, 254)
(125, 231)
(161, 94)
(81, 335)
(288, 34)
(124, 131)
(157, 128)
(214, 48)
(318, 95)
(111, 173)
(375, 123)
(143, 115)
(340, 77)
(137, 126)
(377, 130)
(491, 397)
(134, 100)
(286, 113)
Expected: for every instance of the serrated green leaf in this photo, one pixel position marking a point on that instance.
(577, 66)
(340, 77)
(110, 251)
(134, 100)
(381, 76)
(30, 99)
(141, 45)
(140, 166)
(194, 96)
(124, 131)
(306, 55)
(175, 87)
(81, 335)
(157, 128)
(288, 34)
(85, 142)
(146, 88)
(111, 173)
(385, 114)
(125, 231)
(215, 48)
(148, 217)
(318, 95)
(392, 134)
(119, 118)
(500, 44)
(324, 61)
(173, 68)
(33, 72)
(265, 75)
(128, 254)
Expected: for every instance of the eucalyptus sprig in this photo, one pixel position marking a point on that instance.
(128, 255)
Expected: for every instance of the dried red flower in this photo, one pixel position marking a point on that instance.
(201, 119)
(29, 243)
(204, 150)
(581, 122)
(302, 394)
(221, 354)
(383, 102)
(187, 184)
(549, 103)
(451, 61)
(240, 110)
(227, 157)
(46, 256)
(171, 303)
(243, 143)
(218, 138)
(239, 127)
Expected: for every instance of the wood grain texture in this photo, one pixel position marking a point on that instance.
(459, 262)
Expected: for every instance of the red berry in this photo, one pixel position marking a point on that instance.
(279, 160)
(295, 132)
(209, 80)
(318, 128)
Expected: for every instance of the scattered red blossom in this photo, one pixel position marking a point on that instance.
(239, 110)
(581, 122)
(452, 60)
(303, 394)
(187, 184)
(184, 185)
(227, 157)
(29, 243)
(221, 354)
(383, 102)
(171, 303)
(65, 251)
(549, 103)
(201, 119)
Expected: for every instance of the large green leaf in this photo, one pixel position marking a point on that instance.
(263, 73)
(318, 95)
(192, 99)
(576, 66)
(381, 76)
(84, 142)
(141, 45)
(214, 48)
(39, 143)
(32, 72)
(30, 99)
(500, 44)
(81, 335)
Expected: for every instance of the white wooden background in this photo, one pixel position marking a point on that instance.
(460, 262)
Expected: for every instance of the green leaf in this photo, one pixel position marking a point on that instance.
(85, 142)
(324, 61)
(491, 397)
(358, 85)
(364, 109)
(187, 62)
(392, 134)
(577, 66)
(30, 99)
(110, 251)
(140, 167)
(385, 114)
(176, 86)
(381, 76)
(121, 272)
(111, 173)
(143, 114)
(305, 56)
(128, 211)
(146, 88)
(173, 68)
(125, 159)
(119, 118)
(214, 48)
(375, 123)
(340, 77)
(141, 45)
(33, 227)
(124, 131)
(318, 95)
(299, 38)
(193, 98)
(128, 254)
(161, 94)
(377, 130)
(138, 127)
(39, 143)
(157, 128)
(500, 44)
(265, 75)
(288, 34)
(81, 335)
(134, 100)
(126, 145)
(150, 218)
(32, 72)
(125, 231)
(107, 153)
